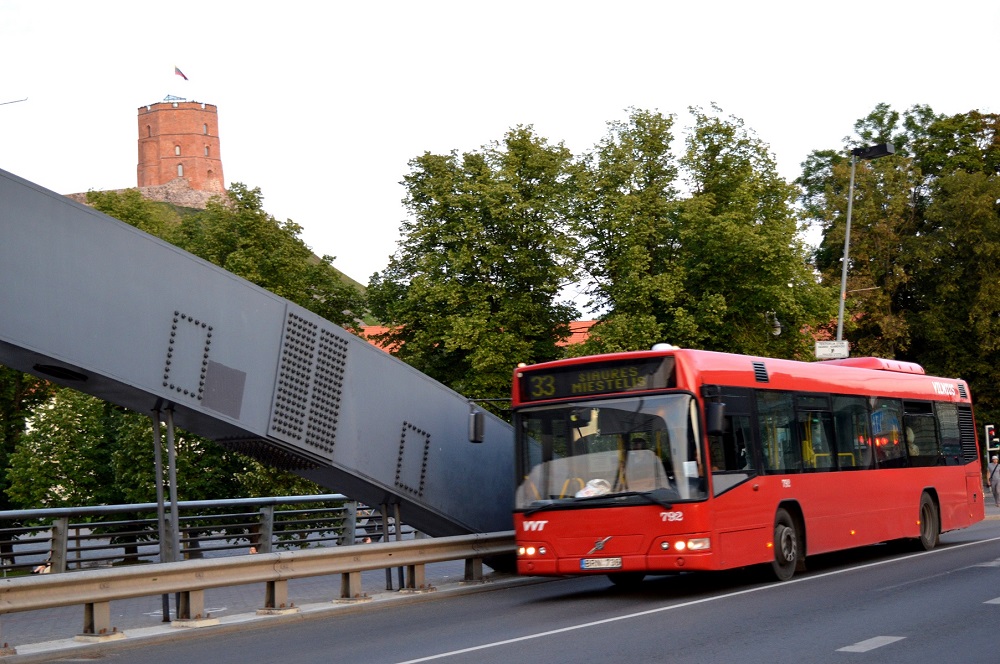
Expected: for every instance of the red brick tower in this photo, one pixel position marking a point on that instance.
(180, 139)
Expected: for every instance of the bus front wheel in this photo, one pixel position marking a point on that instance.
(786, 546)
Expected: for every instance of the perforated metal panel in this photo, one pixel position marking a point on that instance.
(288, 420)
(310, 385)
(327, 391)
(267, 453)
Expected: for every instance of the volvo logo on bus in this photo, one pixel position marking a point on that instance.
(599, 545)
(947, 389)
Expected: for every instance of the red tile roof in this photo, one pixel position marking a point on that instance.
(578, 332)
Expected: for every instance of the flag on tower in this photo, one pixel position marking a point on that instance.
(180, 73)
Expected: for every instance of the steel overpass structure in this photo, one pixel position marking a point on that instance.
(92, 303)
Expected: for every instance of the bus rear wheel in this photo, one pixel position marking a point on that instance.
(786, 546)
(930, 526)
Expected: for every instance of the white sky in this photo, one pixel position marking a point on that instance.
(322, 104)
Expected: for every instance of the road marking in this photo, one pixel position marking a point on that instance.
(992, 563)
(871, 644)
(640, 614)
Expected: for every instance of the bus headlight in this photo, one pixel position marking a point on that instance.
(693, 544)
(699, 544)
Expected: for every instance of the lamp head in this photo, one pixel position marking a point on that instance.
(775, 323)
(874, 151)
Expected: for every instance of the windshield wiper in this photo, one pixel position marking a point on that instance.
(656, 497)
(538, 506)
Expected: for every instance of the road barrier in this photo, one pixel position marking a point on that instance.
(64, 539)
(95, 589)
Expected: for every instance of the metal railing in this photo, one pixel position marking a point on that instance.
(96, 589)
(65, 539)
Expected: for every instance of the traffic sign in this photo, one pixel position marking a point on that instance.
(832, 350)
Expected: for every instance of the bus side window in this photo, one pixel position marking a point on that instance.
(853, 437)
(923, 445)
(815, 431)
(888, 433)
(731, 454)
(730, 451)
(778, 435)
(951, 435)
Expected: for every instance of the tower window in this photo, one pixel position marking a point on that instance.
(149, 131)
(180, 170)
(206, 150)
(205, 129)
(177, 150)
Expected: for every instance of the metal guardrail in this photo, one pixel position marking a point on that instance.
(96, 589)
(64, 539)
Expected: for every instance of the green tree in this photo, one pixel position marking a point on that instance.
(923, 254)
(62, 460)
(943, 144)
(710, 270)
(237, 234)
(879, 272)
(474, 285)
(957, 323)
(20, 394)
(879, 279)
(626, 218)
(745, 259)
(204, 470)
(129, 206)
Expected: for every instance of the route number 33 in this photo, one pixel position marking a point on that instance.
(542, 386)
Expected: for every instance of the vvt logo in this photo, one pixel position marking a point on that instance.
(534, 525)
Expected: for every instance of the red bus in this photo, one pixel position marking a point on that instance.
(671, 460)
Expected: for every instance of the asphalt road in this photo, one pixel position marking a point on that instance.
(877, 604)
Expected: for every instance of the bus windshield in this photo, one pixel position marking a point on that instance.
(580, 453)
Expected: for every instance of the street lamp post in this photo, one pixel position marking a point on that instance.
(870, 152)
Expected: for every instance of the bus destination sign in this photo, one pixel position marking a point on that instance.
(598, 378)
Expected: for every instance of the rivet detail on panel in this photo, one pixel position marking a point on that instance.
(192, 331)
(410, 438)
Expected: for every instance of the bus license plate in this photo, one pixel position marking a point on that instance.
(600, 563)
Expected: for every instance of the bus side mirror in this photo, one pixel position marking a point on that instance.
(715, 418)
(477, 426)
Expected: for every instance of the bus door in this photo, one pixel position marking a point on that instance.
(742, 519)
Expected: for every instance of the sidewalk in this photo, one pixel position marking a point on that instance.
(992, 511)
